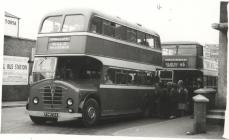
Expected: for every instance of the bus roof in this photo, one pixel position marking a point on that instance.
(91, 12)
(181, 43)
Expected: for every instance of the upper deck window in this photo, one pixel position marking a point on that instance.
(96, 25)
(120, 32)
(187, 50)
(169, 50)
(51, 24)
(108, 28)
(131, 35)
(150, 41)
(73, 23)
(179, 50)
(141, 38)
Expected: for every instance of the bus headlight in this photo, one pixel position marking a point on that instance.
(69, 101)
(70, 110)
(35, 100)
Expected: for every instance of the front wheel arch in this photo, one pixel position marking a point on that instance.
(82, 102)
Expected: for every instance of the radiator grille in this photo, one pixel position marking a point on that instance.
(52, 96)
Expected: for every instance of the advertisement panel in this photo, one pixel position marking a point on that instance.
(15, 70)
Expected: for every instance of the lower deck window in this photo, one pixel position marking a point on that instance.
(129, 77)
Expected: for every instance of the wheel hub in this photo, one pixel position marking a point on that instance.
(91, 112)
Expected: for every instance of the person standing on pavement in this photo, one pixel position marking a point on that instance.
(164, 101)
(182, 98)
(173, 101)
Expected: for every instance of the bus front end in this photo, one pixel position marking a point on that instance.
(60, 87)
(49, 98)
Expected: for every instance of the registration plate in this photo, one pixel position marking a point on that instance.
(50, 114)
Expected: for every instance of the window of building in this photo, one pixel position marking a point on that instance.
(73, 23)
(131, 35)
(108, 28)
(96, 25)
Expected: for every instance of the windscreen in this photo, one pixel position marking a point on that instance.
(51, 24)
(180, 50)
(73, 23)
(166, 74)
(44, 68)
(78, 69)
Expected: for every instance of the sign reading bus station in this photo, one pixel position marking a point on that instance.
(15, 70)
(176, 63)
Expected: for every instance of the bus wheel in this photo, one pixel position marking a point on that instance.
(38, 120)
(91, 112)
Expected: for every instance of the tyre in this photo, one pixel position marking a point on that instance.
(91, 112)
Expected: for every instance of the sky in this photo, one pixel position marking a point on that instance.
(173, 20)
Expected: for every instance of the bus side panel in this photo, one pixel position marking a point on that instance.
(122, 101)
(101, 47)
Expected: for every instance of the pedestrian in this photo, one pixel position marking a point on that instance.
(182, 98)
(173, 101)
(158, 99)
(164, 101)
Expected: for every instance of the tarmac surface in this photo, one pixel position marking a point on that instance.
(170, 128)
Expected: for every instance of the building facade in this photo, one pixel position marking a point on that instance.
(17, 61)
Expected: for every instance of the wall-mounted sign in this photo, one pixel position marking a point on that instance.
(11, 26)
(176, 63)
(210, 64)
(15, 70)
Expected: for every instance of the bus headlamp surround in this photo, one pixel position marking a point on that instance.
(69, 101)
(35, 100)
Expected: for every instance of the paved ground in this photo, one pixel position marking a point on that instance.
(176, 128)
(16, 121)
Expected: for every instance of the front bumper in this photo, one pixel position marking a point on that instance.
(61, 115)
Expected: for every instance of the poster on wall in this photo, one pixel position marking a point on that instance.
(15, 70)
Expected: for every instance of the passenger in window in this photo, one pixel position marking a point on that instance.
(93, 28)
(108, 79)
(129, 79)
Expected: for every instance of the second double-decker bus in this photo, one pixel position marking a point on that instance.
(90, 65)
(185, 60)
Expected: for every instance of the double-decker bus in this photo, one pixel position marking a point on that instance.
(89, 65)
(185, 60)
